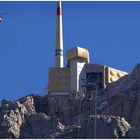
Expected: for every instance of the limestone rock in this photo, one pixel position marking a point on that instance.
(40, 126)
(106, 127)
(124, 97)
(28, 102)
(12, 116)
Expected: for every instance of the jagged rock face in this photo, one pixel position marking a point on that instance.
(12, 116)
(40, 126)
(64, 107)
(20, 120)
(61, 106)
(106, 127)
(124, 97)
(28, 102)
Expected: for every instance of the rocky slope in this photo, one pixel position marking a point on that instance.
(20, 120)
(124, 99)
(73, 116)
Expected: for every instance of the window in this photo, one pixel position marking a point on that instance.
(94, 77)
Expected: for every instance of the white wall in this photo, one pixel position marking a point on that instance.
(76, 66)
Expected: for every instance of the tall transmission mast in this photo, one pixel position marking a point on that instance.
(59, 38)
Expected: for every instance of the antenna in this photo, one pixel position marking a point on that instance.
(59, 38)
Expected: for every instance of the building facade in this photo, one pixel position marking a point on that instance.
(79, 74)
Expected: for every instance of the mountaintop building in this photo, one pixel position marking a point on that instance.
(79, 75)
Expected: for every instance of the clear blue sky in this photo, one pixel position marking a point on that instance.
(109, 30)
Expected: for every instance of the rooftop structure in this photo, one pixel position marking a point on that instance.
(76, 53)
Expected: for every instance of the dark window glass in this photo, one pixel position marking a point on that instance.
(91, 78)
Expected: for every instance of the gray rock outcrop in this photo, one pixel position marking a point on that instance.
(106, 127)
(40, 125)
(11, 118)
(124, 97)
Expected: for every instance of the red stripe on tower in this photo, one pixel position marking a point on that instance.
(59, 9)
